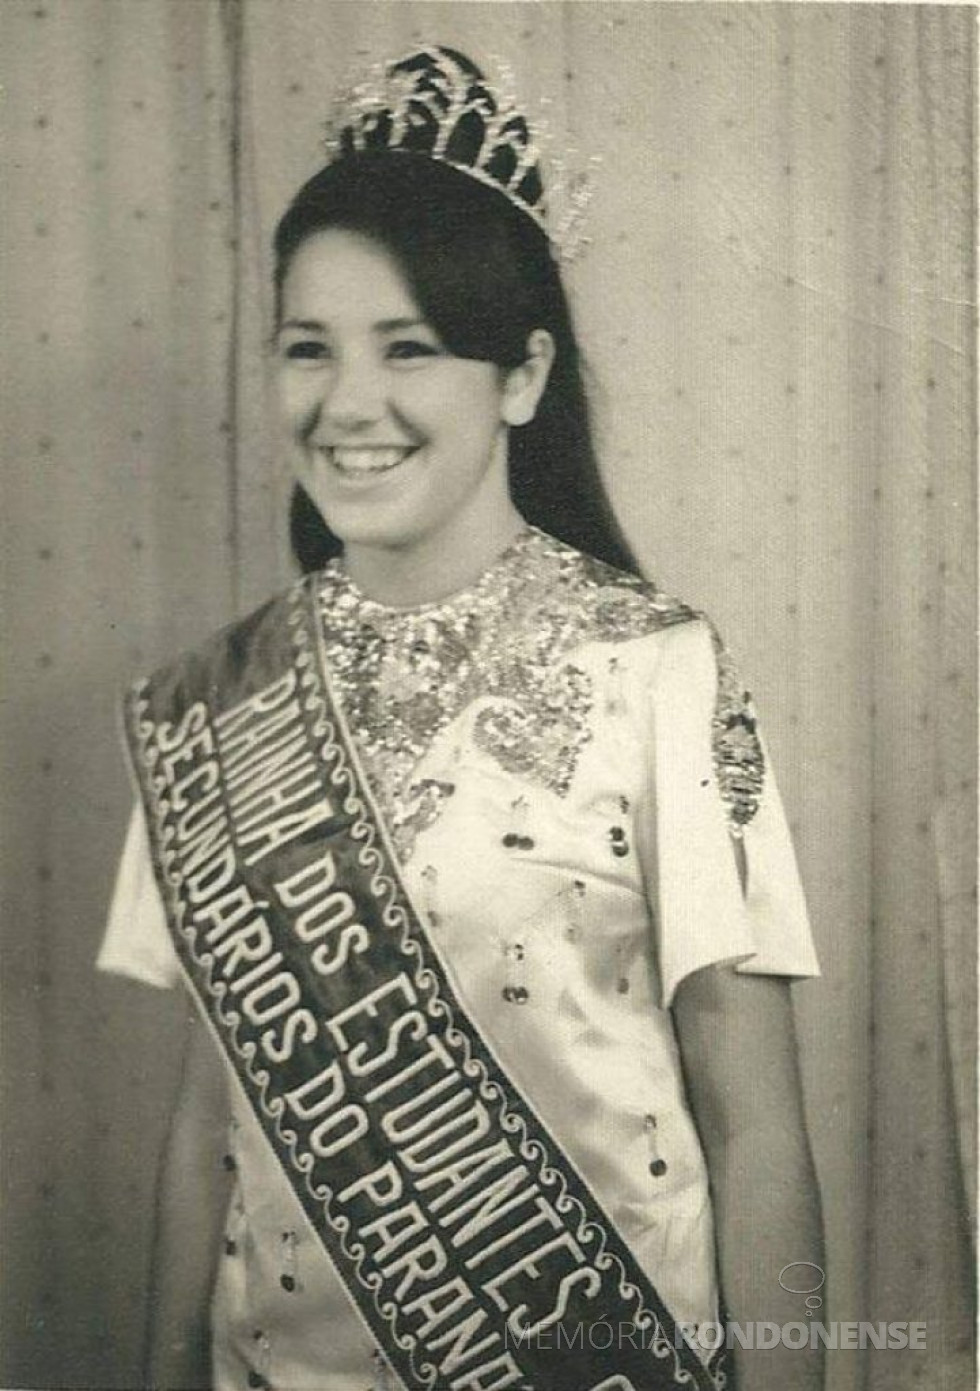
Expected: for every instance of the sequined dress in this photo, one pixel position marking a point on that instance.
(564, 757)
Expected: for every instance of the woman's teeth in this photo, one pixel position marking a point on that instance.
(361, 461)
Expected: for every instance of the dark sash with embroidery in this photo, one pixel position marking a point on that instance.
(473, 1250)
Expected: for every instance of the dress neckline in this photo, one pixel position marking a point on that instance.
(347, 591)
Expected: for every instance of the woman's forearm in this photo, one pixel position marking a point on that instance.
(767, 1214)
(738, 1046)
(191, 1207)
(187, 1235)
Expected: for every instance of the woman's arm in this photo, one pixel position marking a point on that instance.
(191, 1207)
(738, 1047)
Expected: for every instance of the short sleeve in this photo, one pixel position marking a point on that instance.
(137, 942)
(713, 790)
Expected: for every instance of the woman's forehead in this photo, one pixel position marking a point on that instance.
(343, 276)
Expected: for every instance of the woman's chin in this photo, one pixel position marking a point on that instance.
(366, 526)
(364, 510)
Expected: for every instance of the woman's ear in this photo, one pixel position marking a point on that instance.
(524, 385)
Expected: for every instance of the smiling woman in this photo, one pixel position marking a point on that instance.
(401, 444)
(468, 852)
(480, 273)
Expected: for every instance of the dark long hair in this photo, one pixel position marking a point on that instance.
(483, 275)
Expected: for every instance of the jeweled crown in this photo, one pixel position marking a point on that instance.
(434, 102)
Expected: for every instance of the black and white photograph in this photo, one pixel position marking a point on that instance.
(489, 695)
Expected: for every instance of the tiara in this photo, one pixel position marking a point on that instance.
(433, 102)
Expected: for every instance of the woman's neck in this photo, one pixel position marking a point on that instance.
(432, 569)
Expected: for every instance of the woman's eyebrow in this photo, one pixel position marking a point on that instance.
(382, 326)
(305, 325)
(393, 325)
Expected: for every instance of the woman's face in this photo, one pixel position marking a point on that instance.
(396, 441)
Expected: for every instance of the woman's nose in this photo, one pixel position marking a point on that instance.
(353, 394)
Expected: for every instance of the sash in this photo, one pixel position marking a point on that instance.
(473, 1250)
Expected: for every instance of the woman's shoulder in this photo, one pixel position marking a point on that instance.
(234, 644)
(617, 604)
(690, 671)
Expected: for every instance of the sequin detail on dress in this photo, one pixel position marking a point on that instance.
(739, 761)
(539, 733)
(403, 676)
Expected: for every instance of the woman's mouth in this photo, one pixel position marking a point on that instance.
(360, 461)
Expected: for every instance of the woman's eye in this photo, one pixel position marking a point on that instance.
(408, 349)
(306, 350)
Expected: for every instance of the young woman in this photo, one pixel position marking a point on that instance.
(468, 851)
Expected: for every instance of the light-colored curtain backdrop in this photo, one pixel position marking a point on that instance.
(778, 310)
